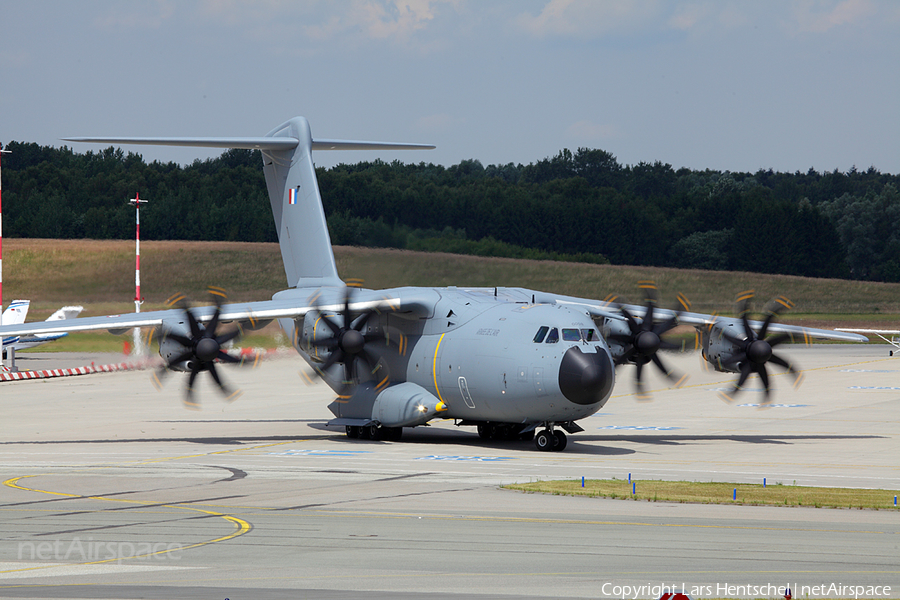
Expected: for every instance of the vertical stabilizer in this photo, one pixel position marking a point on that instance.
(297, 209)
(15, 313)
(293, 191)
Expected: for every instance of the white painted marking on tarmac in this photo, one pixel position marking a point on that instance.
(868, 371)
(21, 570)
(639, 428)
(466, 458)
(758, 404)
(319, 453)
(872, 387)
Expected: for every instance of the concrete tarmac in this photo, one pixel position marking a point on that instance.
(112, 490)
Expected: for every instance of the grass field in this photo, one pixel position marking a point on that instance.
(100, 276)
(772, 494)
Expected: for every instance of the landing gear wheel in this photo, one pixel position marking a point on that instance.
(559, 441)
(376, 433)
(352, 431)
(544, 441)
(485, 431)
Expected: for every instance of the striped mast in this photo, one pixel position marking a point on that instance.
(136, 203)
(2, 152)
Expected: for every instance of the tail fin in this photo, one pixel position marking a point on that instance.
(15, 313)
(66, 312)
(293, 192)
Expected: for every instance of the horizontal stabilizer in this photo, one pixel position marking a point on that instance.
(355, 145)
(246, 143)
(251, 143)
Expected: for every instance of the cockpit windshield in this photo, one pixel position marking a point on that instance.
(549, 335)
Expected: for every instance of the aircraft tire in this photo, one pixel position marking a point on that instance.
(544, 441)
(559, 441)
(485, 431)
(352, 431)
(365, 433)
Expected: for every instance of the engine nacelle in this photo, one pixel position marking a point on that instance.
(719, 350)
(169, 348)
(401, 405)
(615, 327)
(311, 329)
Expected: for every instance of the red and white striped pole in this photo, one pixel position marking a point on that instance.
(2, 152)
(136, 203)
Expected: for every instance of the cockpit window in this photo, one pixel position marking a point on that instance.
(541, 334)
(571, 335)
(553, 337)
(590, 335)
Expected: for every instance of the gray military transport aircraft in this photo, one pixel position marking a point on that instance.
(508, 361)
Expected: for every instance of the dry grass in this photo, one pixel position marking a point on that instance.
(100, 275)
(718, 493)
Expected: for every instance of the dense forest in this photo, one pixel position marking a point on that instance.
(580, 205)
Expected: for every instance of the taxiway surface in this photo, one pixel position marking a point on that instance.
(111, 489)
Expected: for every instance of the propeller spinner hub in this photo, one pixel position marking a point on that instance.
(759, 352)
(352, 341)
(647, 343)
(207, 349)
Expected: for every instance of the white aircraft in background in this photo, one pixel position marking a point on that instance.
(894, 333)
(15, 314)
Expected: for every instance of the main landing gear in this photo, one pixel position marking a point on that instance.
(550, 440)
(374, 432)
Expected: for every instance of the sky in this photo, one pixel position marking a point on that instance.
(726, 85)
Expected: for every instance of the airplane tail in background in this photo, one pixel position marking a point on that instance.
(293, 192)
(66, 312)
(15, 313)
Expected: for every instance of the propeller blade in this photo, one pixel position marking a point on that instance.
(213, 323)
(746, 369)
(779, 339)
(186, 342)
(227, 337)
(189, 401)
(764, 375)
(225, 357)
(196, 333)
(783, 363)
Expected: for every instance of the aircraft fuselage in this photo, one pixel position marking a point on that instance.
(489, 355)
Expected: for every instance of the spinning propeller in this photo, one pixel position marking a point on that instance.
(349, 346)
(754, 349)
(645, 339)
(201, 349)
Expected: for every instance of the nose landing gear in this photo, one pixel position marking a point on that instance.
(550, 440)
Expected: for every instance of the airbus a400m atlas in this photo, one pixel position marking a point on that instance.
(515, 363)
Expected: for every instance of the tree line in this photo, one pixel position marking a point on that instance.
(580, 205)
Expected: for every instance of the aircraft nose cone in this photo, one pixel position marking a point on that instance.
(585, 378)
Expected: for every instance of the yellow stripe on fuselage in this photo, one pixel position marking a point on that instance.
(434, 366)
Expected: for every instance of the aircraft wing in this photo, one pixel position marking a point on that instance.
(250, 312)
(882, 331)
(610, 310)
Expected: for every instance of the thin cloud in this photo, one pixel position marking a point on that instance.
(820, 17)
(589, 18)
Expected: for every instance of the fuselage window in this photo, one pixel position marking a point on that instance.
(541, 334)
(553, 336)
(571, 335)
